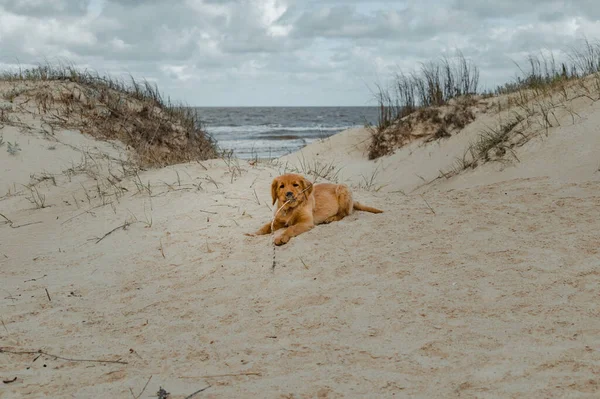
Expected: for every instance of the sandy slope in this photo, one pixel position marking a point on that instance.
(568, 152)
(484, 285)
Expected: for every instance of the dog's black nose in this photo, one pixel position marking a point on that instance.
(289, 194)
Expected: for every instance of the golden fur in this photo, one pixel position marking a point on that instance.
(302, 205)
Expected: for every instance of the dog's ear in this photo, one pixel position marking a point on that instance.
(308, 186)
(274, 190)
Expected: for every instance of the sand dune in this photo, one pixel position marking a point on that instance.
(480, 285)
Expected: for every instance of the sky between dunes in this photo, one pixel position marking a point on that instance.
(286, 52)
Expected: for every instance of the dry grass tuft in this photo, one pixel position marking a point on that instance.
(160, 132)
(420, 104)
(412, 108)
(324, 170)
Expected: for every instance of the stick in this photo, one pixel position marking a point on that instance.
(256, 196)
(430, 208)
(273, 233)
(273, 224)
(41, 352)
(197, 392)
(4, 325)
(50, 300)
(229, 375)
(123, 226)
(83, 213)
(143, 389)
(212, 213)
(11, 223)
(35, 279)
(161, 249)
(305, 265)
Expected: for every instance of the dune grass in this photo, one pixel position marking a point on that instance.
(433, 85)
(534, 99)
(161, 132)
(543, 72)
(542, 87)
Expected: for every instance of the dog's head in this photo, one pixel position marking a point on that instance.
(291, 187)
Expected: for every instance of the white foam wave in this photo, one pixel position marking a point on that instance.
(271, 128)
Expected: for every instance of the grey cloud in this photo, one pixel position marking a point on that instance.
(518, 8)
(45, 8)
(502, 8)
(390, 24)
(552, 16)
(237, 45)
(345, 22)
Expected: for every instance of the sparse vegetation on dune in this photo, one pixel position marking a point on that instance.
(135, 113)
(444, 98)
(543, 73)
(430, 102)
(533, 102)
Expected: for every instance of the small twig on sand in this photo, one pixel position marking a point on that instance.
(305, 265)
(83, 213)
(162, 252)
(41, 352)
(12, 225)
(273, 233)
(143, 389)
(212, 213)
(124, 226)
(48, 294)
(256, 196)
(4, 325)
(197, 392)
(429, 206)
(231, 375)
(10, 222)
(273, 223)
(35, 279)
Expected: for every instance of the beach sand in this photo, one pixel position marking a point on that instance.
(482, 285)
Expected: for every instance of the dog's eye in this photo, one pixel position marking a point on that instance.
(281, 186)
(295, 184)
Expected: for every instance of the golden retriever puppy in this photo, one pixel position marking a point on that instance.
(302, 205)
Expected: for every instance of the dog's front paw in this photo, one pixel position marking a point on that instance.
(280, 240)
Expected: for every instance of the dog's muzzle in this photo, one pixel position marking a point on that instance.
(289, 195)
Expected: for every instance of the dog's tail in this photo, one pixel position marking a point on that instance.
(360, 207)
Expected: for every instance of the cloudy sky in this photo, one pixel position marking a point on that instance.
(286, 52)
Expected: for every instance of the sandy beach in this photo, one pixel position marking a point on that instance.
(476, 283)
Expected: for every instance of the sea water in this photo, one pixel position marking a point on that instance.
(270, 132)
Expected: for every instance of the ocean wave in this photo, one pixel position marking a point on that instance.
(269, 128)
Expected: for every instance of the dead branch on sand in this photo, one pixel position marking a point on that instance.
(124, 226)
(143, 389)
(41, 352)
(429, 206)
(11, 223)
(197, 392)
(273, 223)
